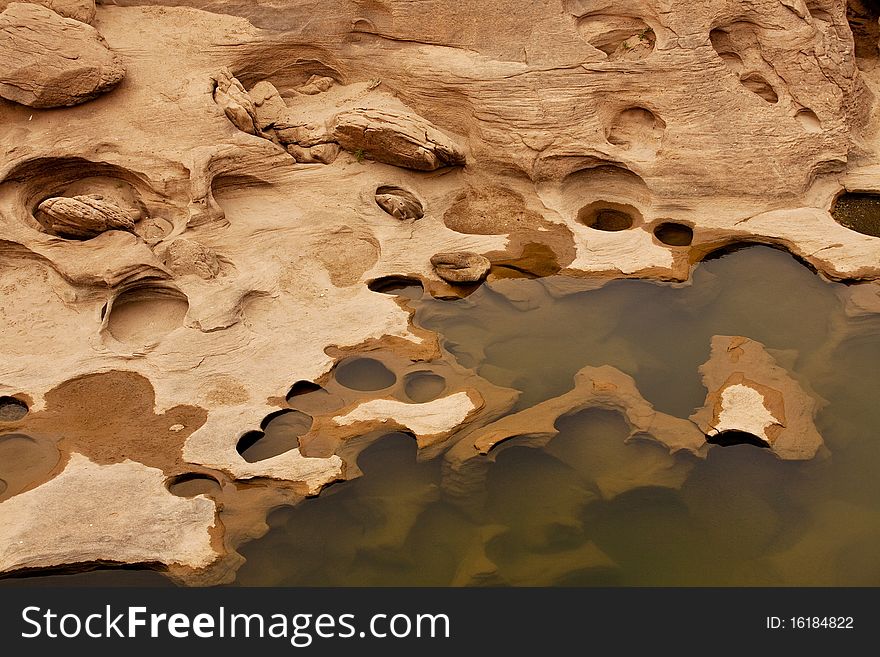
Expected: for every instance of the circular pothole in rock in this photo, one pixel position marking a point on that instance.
(280, 433)
(733, 437)
(610, 217)
(191, 484)
(674, 234)
(25, 460)
(399, 203)
(858, 211)
(312, 399)
(401, 286)
(364, 374)
(12, 409)
(144, 315)
(422, 387)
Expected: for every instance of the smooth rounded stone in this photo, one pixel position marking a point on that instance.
(80, 10)
(317, 154)
(185, 256)
(12, 409)
(269, 106)
(461, 267)
(399, 203)
(47, 60)
(83, 217)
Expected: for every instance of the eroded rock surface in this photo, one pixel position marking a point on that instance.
(750, 393)
(460, 268)
(81, 10)
(47, 60)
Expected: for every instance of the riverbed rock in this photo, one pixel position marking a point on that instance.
(47, 60)
(404, 140)
(749, 393)
(461, 267)
(83, 217)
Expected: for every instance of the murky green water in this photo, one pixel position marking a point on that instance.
(582, 511)
(589, 509)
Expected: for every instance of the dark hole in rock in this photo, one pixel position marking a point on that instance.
(191, 484)
(863, 17)
(535, 261)
(403, 286)
(423, 386)
(730, 438)
(302, 388)
(756, 83)
(281, 432)
(12, 409)
(607, 216)
(365, 374)
(674, 234)
(859, 212)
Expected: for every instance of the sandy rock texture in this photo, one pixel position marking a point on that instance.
(276, 161)
(51, 61)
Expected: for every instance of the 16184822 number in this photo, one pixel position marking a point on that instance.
(821, 622)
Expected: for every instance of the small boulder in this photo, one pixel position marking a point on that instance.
(403, 140)
(238, 106)
(83, 217)
(185, 257)
(315, 85)
(461, 267)
(47, 60)
(269, 106)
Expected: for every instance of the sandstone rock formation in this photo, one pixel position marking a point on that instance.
(83, 217)
(538, 140)
(461, 267)
(750, 394)
(81, 10)
(51, 61)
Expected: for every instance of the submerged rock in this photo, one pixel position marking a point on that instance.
(83, 217)
(752, 399)
(404, 140)
(461, 267)
(47, 60)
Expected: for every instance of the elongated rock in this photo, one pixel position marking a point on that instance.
(461, 267)
(404, 140)
(83, 217)
(81, 10)
(47, 60)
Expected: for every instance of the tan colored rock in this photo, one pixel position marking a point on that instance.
(393, 138)
(50, 61)
(269, 106)
(399, 203)
(315, 85)
(304, 135)
(461, 268)
(238, 106)
(439, 416)
(185, 256)
(80, 10)
(120, 513)
(750, 393)
(84, 217)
